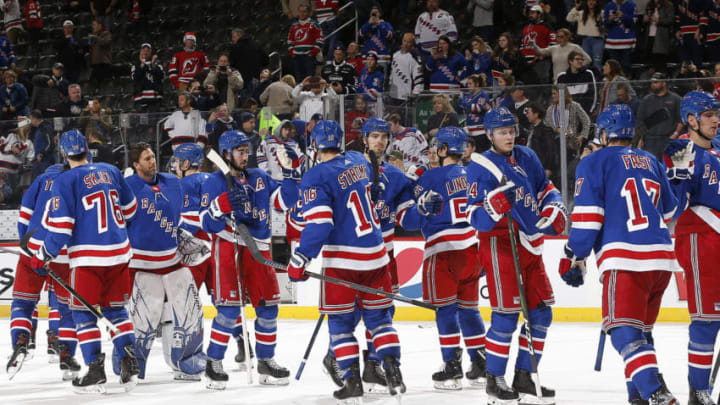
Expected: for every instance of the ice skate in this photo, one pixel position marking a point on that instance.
(662, 396)
(240, 356)
(700, 397)
(52, 350)
(373, 376)
(93, 382)
(476, 375)
(525, 387)
(129, 369)
(216, 376)
(450, 375)
(180, 376)
(352, 390)
(18, 356)
(68, 365)
(498, 391)
(31, 346)
(393, 376)
(639, 401)
(271, 373)
(332, 370)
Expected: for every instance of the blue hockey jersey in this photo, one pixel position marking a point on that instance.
(394, 201)
(446, 73)
(631, 185)
(377, 38)
(192, 201)
(533, 192)
(450, 229)
(153, 232)
(620, 29)
(479, 63)
(475, 111)
(371, 83)
(339, 215)
(90, 207)
(691, 16)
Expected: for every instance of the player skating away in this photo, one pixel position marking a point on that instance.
(632, 245)
(536, 207)
(88, 212)
(29, 284)
(450, 268)
(158, 272)
(252, 195)
(341, 221)
(693, 167)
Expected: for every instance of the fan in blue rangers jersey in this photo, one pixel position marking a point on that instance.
(28, 284)
(91, 204)
(450, 270)
(693, 168)
(632, 246)
(536, 209)
(446, 66)
(371, 78)
(475, 103)
(342, 223)
(159, 275)
(377, 34)
(253, 193)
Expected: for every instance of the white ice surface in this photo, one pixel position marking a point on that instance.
(567, 366)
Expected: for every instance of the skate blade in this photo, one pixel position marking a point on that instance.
(478, 383)
(215, 385)
(448, 385)
(529, 399)
(53, 358)
(128, 386)
(324, 371)
(30, 355)
(91, 389)
(375, 389)
(349, 401)
(68, 375)
(270, 380)
(242, 367)
(179, 376)
(14, 369)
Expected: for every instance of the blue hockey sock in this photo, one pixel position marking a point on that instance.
(266, 331)
(446, 319)
(700, 352)
(88, 335)
(343, 342)
(54, 314)
(498, 341)
(384, 336)
(20, 318)
(473, 330)
(66, 329)
(540, 320)
(223, 327)
(639, 356)
(237, 332)
(125, 335)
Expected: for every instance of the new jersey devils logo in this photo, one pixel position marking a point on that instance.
(190, 67)
(301, 34)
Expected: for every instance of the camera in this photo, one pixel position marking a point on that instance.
(222, 68)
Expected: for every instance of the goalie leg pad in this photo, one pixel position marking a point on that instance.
(497, 341)
(146, 305)
(540, 320)
(222, 330)
(639, 356)
(266, 331)
(187, 322)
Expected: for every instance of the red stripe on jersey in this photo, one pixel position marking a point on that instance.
(630, 254)
(89, 334)
(451, 238)
(130, 211)
(100, 253)
(355, 256)
(450, 340)
(60, 224)
(150, 258)
(318, 215)
(587, 218)
(643, 360)
(25, 215)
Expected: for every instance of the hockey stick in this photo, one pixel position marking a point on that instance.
(97, 313)
(600, 350)
(225, 169)
(714, 374)
(495, 171)
(257, 255)
(310, 346)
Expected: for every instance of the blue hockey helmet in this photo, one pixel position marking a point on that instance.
(230, 140)
(455, 138)
(191, 152)
(73, 143)
(374, 124)
(327, 134)
(499, 118)
(695, 103)
(618, 121)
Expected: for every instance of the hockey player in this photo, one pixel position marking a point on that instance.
(693, 167)
(536, 208)
(341, 221)
(450, 271)
(158, 272)
(90, 206)
(634, 251)
(29, 284)
(252, 195)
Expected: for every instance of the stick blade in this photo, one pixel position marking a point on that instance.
(25, 239)
(218, 161)
(487, 164)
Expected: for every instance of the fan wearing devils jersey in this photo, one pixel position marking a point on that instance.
(693, 168)
(634, 251)
(91, 204)
(343, 224)
(536, 208)
(187, 64)
(450, 269)
(28, 284)
(159, 276)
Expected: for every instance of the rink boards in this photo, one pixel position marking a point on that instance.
(572, 304)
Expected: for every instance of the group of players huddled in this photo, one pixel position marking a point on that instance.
(139, 248)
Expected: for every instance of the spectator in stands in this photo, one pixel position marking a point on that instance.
(588, 16)
(559, 53)
(34, 22)
(537, 34)
(248, 58)
(431, 25)
(542, 139)
(305, 40)
(408, 141)
(42, 134)
(71, 108)
(100, 148)
(406, 72)
(326, 14)
(278, 96)
(309, 96)
(475, 102)
(612, 77)
(378, 35)
(247, 125)
(479, 58)
(340, 74)
(227, 81)
(686, 77)
(625, 96)
(267, 152)
(147, 75)
(659, 113)
(395, 158)
(187, 64)
(354, 58)
(506, 58)
(619, 18)
(219, 121)
(354, 120)
(433, 159)
(49, 91)
(102, 11)
(203, 98)
(503, 98)
(12, 18)
(290, 7)
(96, 121)
(519, 109)
(265, 81)
(100, 53)
(578, 122)
(76, 6)
(13, 97)
(16, 151)
(443, 115)
(372, 79)
(660, 17)
(483, 25)
(580, 80)
(689, 16)
(7, 56)
(712, 39)
(70, 52)
(446, 67)
(186, 125)
(138, 13)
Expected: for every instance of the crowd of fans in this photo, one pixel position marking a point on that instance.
(457, 62)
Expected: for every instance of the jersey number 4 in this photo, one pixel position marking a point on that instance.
(637, 219)
(361, 212)
(99, 201)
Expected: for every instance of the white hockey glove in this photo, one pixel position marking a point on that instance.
(682, 156)
(415, 171)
